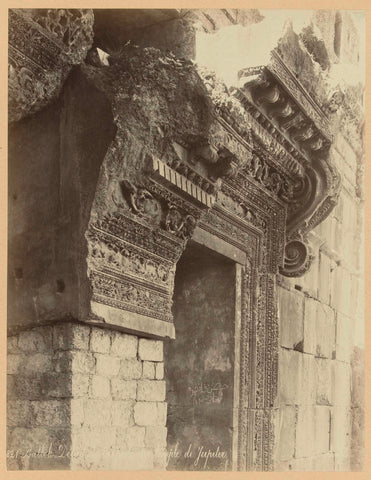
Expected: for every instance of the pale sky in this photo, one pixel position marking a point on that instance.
(235, 47)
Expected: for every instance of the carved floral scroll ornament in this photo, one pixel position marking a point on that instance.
(44, 44)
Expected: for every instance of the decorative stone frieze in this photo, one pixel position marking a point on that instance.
(43, 46)
(281, 105)
(251, 170)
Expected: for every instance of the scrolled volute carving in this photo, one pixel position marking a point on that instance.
(298, 258)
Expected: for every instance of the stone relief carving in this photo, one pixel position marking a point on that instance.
(126, 258)
(335, 102)
(311, 197)
(128, 295)
(43, 46)
(258, 348)
(297, 258)
(178, 224)
(255, 163)
(141, 201)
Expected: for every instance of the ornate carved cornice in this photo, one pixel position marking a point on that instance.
(279, 103)
(276, 88)
(43, 46)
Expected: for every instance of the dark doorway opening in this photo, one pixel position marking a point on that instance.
(199, 363)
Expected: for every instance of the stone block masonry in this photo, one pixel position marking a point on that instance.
(318, 420)
(83, 397)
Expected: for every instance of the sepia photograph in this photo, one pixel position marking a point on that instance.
(185, 217)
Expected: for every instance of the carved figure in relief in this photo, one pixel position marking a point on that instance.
(174, 220)
(262, 173)
(275, 182)
(249, 215)
(335, 102)
(139, 199)
(189, 226)
(255, 165)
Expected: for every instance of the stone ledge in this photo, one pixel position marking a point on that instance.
(131, 322)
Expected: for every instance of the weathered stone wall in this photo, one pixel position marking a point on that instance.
(39, 400)
(87, 397)
(320, 315)
(83, 397)
(54, 161)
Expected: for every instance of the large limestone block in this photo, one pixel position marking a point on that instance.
(100, 387)
(304, 464)
(289, 377)
(342, 462)
(341, 383)
(91, 438)
(90, 459)
(100, 340)
(131, 438)
(324, 278)
(285, 424)
(344, 337)
(307, 393)
(151, 390)
(151, 350)
(297, 381)
(130, 369)
(107, 365)
(340, 430)
(155, 436)
(97, 412)
(291, 311)
(122, 413)
(145, 413)
(310, 318)
(123, 389)
(312, 431)
(36, 340)
(323, 381)
(124, 346)
(322, 429)
(344, 287)
(319, 329)
(305, 432)
(325, 331)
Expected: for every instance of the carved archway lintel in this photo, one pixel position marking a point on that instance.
(281, 104)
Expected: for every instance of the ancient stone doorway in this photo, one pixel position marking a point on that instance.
(200, 362)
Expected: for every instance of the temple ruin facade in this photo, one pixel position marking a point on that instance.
(185, 270)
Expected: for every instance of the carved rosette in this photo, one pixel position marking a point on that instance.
(43, 46)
